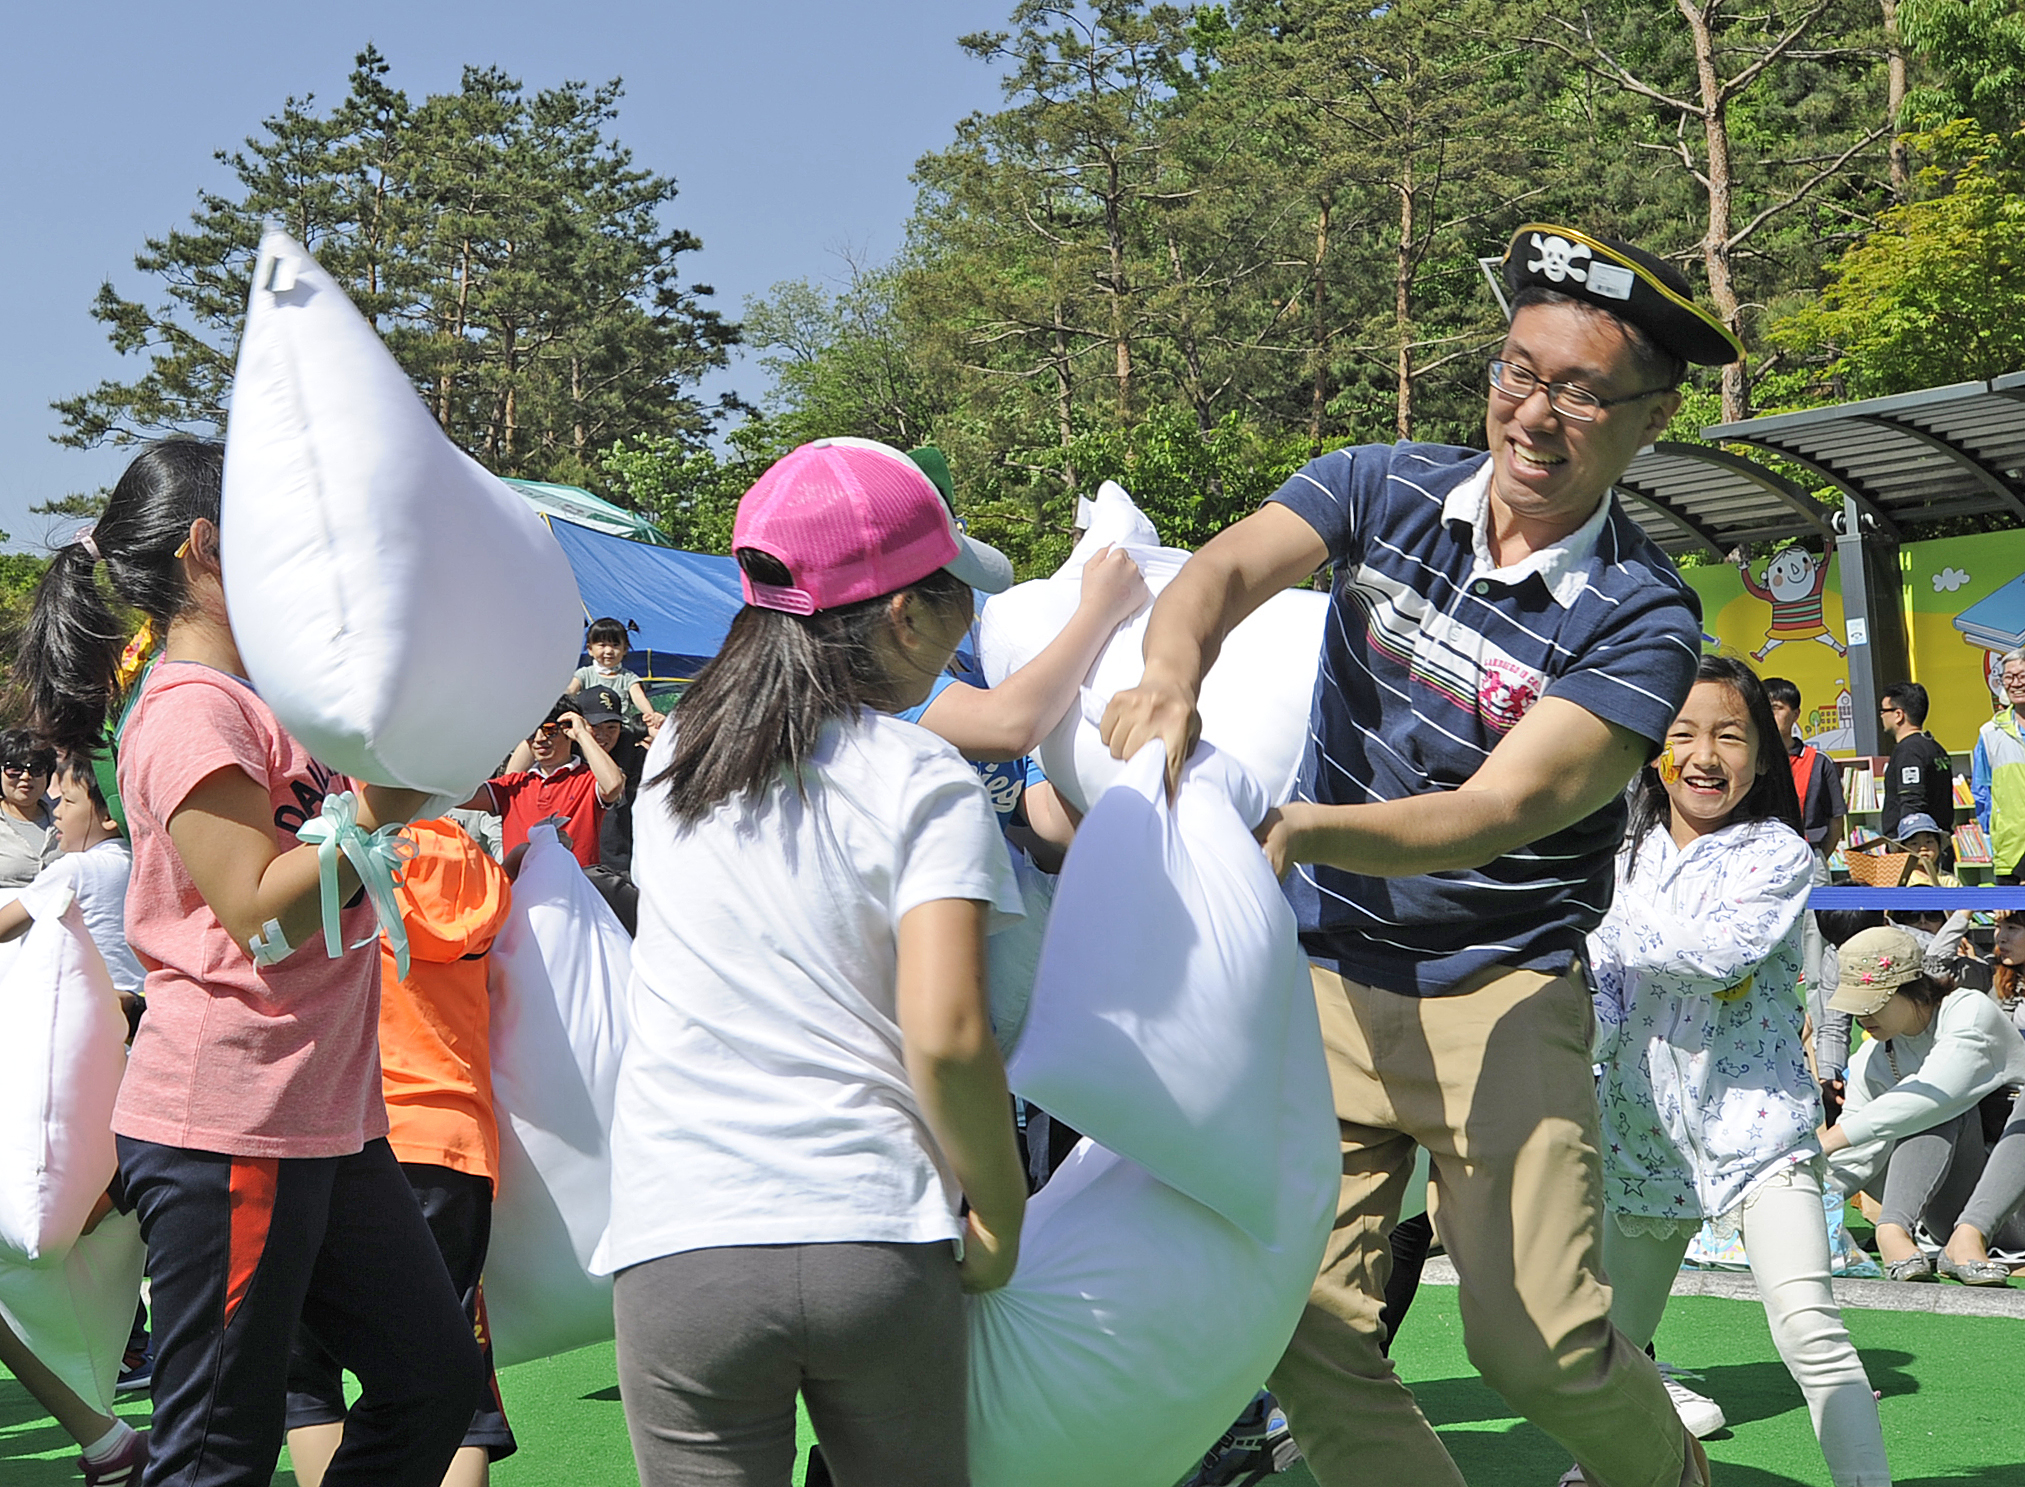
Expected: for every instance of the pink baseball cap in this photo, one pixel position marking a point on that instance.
(851, 519)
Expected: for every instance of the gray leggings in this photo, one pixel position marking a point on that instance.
(715, 1344)
(1941, 1175)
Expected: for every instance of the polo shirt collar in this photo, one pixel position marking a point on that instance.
(561, 769)
(1560, 565)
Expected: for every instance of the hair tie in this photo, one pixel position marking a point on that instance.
(87, 539)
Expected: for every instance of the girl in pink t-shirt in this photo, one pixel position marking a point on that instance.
(252, 1136)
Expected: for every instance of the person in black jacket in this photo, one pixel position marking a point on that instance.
(1921, 779)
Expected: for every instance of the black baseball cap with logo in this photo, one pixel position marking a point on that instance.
(600, 705)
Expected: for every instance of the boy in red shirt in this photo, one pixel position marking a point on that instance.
(567, 776)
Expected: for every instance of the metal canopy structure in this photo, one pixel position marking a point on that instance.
(1942, 452)
(1691, 497)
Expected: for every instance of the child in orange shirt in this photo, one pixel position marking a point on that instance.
(436, 1071)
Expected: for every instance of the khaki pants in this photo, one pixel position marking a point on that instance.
(1496, 1084)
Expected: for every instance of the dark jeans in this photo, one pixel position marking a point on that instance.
(242, 1248)
(458, 1209)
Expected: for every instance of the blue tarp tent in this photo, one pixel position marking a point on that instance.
(676, 604)
(679, 604)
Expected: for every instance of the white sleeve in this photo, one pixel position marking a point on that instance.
(1765, 883)
(1963, 1067)
(951, 847)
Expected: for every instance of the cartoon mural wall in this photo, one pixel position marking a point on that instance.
(1964, 600)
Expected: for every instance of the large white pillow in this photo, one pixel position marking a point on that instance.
(558, 984)
(1164, 1268)
(1255, 700)
(62, 1052)
(358, 542)
(1136, 1327)
(1173, 1018)
(75, 1313)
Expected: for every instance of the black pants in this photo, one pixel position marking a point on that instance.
(242, 1248)
(458, 1209)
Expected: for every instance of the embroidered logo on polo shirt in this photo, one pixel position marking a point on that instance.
(1506, 692)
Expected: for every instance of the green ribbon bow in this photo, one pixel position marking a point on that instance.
(377, 856)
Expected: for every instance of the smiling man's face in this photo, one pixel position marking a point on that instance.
(1551, 469)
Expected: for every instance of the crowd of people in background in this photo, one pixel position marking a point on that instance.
(1530, 806)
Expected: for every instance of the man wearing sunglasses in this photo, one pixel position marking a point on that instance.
(564, 773)
(1505, 649)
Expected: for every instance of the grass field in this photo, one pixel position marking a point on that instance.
(1952, 1412)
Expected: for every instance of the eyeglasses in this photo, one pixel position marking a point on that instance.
(1569, 399)
(28, 771)
(547, 730)
(2013, 681)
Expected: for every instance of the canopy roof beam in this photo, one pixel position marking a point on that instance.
(1847, 484)
(1984, 476)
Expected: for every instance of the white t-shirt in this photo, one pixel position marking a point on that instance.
(99, 878)
(762, 1097)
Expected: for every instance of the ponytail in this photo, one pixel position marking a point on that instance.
(753, 715)
(71, 644)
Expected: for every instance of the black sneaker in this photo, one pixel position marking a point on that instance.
(1258, 1446)
(137, 1373)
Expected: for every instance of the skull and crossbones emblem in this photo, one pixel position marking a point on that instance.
(1557, 259)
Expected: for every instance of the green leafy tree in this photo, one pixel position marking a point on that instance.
(1937, 293)
(1752, 117)
(507, 248)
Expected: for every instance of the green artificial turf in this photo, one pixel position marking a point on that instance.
(1950, 1384)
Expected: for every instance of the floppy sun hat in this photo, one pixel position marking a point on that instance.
(1873, 964)
(851, 519)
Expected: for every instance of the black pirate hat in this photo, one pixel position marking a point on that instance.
(1628, 282)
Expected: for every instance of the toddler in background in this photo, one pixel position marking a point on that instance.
(607, 643)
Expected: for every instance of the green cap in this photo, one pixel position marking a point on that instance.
(928, 459)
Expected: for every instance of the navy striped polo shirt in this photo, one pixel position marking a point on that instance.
(1431, 655)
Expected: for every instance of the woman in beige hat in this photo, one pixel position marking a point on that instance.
(1909, 1133)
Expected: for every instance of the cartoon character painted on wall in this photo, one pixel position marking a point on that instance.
(1793, 585)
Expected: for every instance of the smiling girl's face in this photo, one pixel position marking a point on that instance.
(1715, 749)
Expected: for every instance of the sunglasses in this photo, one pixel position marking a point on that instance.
(25, 770)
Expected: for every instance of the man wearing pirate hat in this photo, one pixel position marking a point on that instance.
(1505, 649)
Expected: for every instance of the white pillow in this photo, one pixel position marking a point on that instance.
(1173, 1018)
(1136, 1327)
(1163, 1271)
(62, 1052)
(1255, 700)
(558, 983)
(75, 1314)
(358, 542)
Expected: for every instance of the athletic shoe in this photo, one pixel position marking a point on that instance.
(137, 1372)
(1256, 1447)
(1702, 1416)
(123, 1468)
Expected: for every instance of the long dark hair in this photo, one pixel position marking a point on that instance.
(1770, 798)
(70, 647)
(751, 718)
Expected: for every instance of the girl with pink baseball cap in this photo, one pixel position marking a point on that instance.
(812, 1147)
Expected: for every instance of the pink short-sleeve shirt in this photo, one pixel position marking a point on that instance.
(275, 1061)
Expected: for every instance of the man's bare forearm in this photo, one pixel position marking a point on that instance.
(1559, 766)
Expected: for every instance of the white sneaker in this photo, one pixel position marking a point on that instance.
(1701, 1416)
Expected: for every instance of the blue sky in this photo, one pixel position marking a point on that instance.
(790, 125)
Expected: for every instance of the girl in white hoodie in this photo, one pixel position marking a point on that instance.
(1709, 1110)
